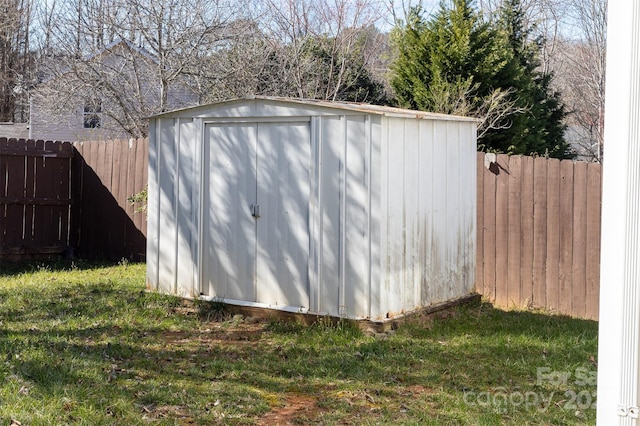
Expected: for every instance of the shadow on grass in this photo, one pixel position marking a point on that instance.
(58, 264)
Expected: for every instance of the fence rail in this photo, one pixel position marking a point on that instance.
(539, 234)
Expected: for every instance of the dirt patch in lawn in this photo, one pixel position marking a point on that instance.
(296, 409)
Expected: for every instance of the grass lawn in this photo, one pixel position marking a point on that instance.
(85, 344)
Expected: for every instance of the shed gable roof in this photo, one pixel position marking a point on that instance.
(310, 105)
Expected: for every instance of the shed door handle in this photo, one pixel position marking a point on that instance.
(255, 210)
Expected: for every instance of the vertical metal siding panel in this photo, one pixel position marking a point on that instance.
(284, 153)
(377, 215)
(356, 223)
(229, 228)
(186, 227)
(470, 189)
(153, 207)
(167, 200)
(331, 163)
(382, 306)
(411, 281)
(439, 234)
(479, 272)
(315, 239)
(454, 225)
(197, 197)
(472, 148)
(396, 213)
(343, 214)
(426, 207)
(368, 134)
(468, 199)
(465, 173)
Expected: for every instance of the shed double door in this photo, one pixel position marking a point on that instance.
(256, 217)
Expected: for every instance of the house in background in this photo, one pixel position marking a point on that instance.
(14, 130)
(105, 96)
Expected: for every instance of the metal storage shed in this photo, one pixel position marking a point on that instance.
(340, 209)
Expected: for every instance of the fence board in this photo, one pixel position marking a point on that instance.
(14, 218)
(489, 236)
(515, 241)
(539, 279)
(566, 236)
(594, 207)
(119, 232)
(501, 230)
(526, 226)
(553, 234)
(578, 306)
(141, 173)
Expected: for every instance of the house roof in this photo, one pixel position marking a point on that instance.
(134, 48)
(341, 105)
(108, 48)
(14, 130)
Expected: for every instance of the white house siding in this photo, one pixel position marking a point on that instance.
(365, 212)
(65, 119)
(68, 124)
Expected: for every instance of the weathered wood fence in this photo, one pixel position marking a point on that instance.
(539, 234)
(538, 219)
(104, 174)
(35, 198)
(56, 195)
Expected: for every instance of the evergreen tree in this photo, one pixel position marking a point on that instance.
(542, 126)
(457, 63)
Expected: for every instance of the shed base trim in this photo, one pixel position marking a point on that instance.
(301, 314)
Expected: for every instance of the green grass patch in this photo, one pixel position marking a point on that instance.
(84, 343)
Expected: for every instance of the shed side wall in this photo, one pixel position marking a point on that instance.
(173, 212)
(428, 202)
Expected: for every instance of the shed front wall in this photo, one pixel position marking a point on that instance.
(390, 213)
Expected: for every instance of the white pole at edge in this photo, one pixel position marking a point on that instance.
(618, 341)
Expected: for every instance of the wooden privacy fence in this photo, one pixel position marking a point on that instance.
(56, 195)
(538, 219)
(539, 234)
(106, 173)
(35, 198)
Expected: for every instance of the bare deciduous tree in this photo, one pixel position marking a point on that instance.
(15, 19)
(317, 39)
(581, 64)
(160, 42)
